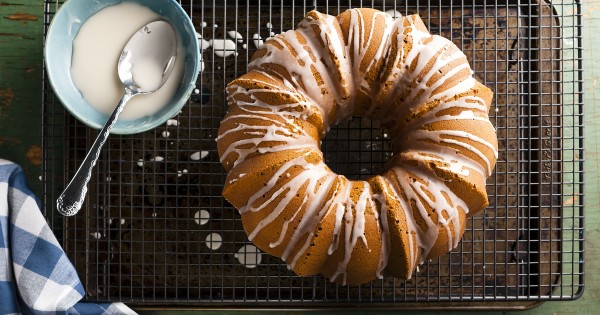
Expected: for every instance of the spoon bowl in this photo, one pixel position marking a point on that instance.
(148, 58)
(144, 66)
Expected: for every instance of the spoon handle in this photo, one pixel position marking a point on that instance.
(71, 199)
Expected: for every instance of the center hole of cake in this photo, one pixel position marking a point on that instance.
(357, 148)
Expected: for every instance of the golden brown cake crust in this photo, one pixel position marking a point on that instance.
(360, 63)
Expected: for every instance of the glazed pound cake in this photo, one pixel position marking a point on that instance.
(363, 62)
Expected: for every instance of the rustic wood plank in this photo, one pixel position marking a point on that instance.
(21, 32)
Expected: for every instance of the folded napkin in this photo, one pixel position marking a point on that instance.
(36, 277)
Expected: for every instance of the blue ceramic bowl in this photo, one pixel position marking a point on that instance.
(58, 49)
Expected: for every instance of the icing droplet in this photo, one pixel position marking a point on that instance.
(198, 155)
(203, 24)
(158, 158)
(223, 47)
(140, 163)
(257, 40)
(236, 36)
(166, 134)
(172, 122)
(393, 13)
(249, 256)
(201, 217)
(214, 241)
(204, 44)
(96, 235)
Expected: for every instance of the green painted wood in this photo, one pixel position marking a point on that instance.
(21, 32)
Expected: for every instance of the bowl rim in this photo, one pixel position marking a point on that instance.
(175, 109)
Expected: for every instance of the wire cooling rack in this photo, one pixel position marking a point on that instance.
(156, 230)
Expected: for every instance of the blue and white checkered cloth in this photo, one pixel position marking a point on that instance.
(36, 277)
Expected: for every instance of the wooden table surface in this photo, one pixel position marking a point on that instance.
(21, 42)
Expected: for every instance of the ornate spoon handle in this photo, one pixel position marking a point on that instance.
(71, 199)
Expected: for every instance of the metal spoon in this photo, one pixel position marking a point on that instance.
(150, 53)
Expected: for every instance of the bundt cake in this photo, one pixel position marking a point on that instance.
(363, 62)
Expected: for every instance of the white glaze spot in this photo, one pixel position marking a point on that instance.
(214, 241)
(235, 36)
(257, 40)
(223, 47)
(249, 256)
(201, 217)
(198, 155)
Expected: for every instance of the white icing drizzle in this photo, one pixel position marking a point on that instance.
(274, 131)
(354, 228)
(325, 70)
(414, 190)
(361, 42)
(385, 233)
(340, 211)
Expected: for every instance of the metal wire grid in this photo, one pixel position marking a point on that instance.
(142, 237)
